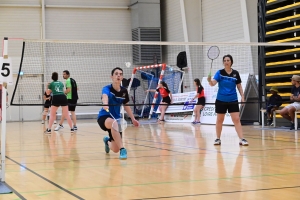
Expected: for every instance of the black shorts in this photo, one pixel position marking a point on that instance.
(223, 107)
(47, 104)
(166, 100)
(59, 100)
(269, 108)
(72, 104)
(201, 101)
(101, 122)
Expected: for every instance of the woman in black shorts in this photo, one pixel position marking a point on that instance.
(228, 81)
(166, 98)
(58, 99)
(201, 100)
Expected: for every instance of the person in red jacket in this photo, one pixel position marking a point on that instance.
(201, 101)
(166, 98)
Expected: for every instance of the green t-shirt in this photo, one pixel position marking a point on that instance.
(57, 87)
(69, 85)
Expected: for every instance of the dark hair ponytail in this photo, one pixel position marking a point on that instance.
(197, 81)
(164, 84)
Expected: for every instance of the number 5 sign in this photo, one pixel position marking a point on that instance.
(6, 71)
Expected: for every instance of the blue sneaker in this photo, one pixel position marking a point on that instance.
(123, 154)
(105, 140)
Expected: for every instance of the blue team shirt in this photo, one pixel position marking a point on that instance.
(114, 97)
(227, 85)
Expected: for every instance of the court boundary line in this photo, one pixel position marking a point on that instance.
(216, 193)
(45, 179)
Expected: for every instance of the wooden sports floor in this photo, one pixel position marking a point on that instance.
(165, 161)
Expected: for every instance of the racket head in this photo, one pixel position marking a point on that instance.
(119, 125)
(213, 52)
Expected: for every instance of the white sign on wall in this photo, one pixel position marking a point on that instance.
(182, 112)
(6, 74)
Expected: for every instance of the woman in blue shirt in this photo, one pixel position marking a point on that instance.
(227, 100)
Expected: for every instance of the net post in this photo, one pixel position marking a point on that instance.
(5, 48)
(3, 114)
(3, 134)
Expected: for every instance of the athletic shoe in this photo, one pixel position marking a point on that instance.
(196, 122)
(48, 131)
(270, 122)
(217, 142)
(123, 154)
(292, 126)
(72, 130)
(105, 140)
(244, 142)
(59, 127)
(75, 128)
(55, 122)
(43, 121)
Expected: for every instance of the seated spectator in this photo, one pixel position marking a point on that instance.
(273, 104)
(288, 112)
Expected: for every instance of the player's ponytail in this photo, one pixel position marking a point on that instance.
(197, 81)
(164, 84)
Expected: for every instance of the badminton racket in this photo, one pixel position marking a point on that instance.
(118, 125)
(212, 53)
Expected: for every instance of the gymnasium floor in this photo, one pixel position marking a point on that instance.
(165, 161)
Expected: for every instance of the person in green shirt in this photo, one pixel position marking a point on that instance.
(72, 96)
(58, 99)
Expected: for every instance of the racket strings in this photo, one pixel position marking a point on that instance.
(213, 52)
(119, 125)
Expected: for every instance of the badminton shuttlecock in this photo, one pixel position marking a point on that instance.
(128, 64)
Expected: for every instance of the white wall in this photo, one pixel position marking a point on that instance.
(212, 21)
(228, 21)
(59, 19)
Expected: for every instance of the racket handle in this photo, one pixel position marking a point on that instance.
(107, 110)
